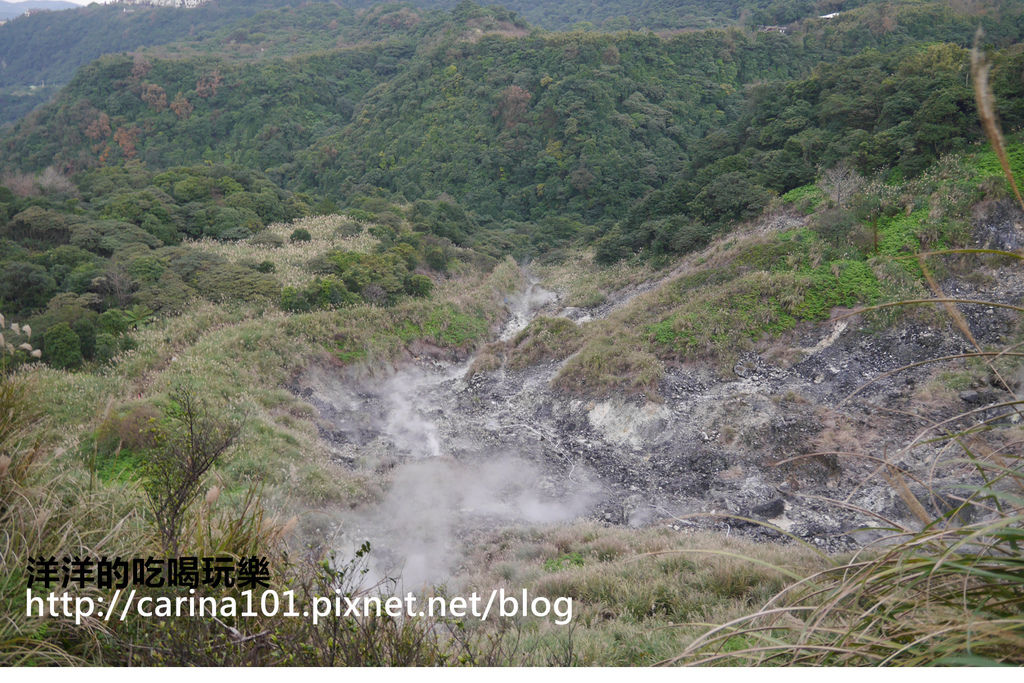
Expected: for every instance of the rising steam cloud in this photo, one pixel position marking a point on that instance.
(435, 500)
(432, 503)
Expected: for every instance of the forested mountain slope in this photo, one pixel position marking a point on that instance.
(474, 132)
(31, 65)
(518, 126)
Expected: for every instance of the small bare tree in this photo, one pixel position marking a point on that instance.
(840, 183)
(52, 181)
(116, 282)
(186, 450)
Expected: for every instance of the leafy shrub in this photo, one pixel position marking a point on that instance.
(25, 285)
(436, 258)
(379, 278)
(167, 296)
(112, 321)
(836, 226)
(266, 238)
(73, 309)
(322, 293)
(689, 236)
(109, 236)
(85, 328)
(419, 285)
(611, 247)
(223, 222)
(729, 197)
(361, 215)
(144, 268)
(349, 228)
(38, 227)
(300, 235)
(150, 209)
(82, 276)
(62, 347)
(805, 198)
(106, 347)
(557, 564)
(234, 281)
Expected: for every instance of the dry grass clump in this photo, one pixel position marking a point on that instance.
(16, 345)
(488, 358)
(588, 284)
(638, 594)
(609, 364)
(949, 594)
(472, 287)
(46, 508)
(291, 259)
(837, 435)
(545, 338)
(131, 429)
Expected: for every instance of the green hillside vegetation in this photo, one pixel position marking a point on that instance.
(30, 70)
(464, 139)
(125, 245)
(748, 288)
(313, 27)
(677, 136)
(28, 57)
(86, 33)
(102, 256)
(893, 115)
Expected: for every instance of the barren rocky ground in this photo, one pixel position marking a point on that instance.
(776, 447)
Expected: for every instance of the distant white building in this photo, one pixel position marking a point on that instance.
(828, 16)
(167, 3)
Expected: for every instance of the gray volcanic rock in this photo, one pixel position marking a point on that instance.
(798, 444)
(998, 225)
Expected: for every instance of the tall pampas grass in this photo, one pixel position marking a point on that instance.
(985, 100)
(9, 356)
